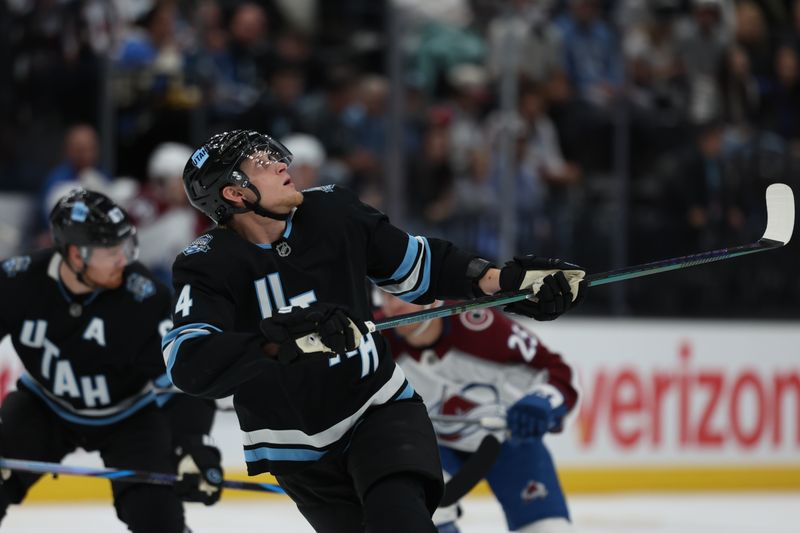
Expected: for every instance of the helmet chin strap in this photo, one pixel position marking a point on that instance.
(80, 275)
(256, 208)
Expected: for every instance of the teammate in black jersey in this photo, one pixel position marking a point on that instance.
(342, 430)
(86, 320)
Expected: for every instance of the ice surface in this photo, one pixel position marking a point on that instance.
(627, 513)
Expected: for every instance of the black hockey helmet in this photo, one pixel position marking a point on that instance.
(215, 165)
(87, 219)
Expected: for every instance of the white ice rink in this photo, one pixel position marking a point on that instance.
(660, 513)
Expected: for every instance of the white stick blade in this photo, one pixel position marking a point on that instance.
(780, 213)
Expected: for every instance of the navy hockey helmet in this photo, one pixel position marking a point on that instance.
(215, 165)
(87, 219)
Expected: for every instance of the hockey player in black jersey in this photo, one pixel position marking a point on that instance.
(86, 320)
(342, 430)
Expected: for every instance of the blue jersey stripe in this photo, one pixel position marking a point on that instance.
(408, 392)
(35, 388)
(178, 335)
(281, 454)
(406, 265)
(426, 277)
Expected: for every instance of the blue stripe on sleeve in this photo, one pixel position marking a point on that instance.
(178, 336)
(408, 392)
(407, 264)
(426, 277)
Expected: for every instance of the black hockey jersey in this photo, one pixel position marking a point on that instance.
(225, 285)
(93, 359)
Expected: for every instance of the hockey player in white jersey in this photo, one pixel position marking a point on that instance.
(480, 365)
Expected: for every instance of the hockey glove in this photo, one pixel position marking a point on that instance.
(199, 472)
(557, 286)
(338, 332)
(542, 410)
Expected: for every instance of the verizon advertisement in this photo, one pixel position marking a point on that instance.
(677, 392)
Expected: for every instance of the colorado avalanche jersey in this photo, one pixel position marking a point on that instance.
(93, 359)
(483, 363)
(291, 415)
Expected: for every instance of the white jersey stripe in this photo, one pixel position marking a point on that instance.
(296, 437)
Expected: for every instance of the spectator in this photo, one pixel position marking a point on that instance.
(431, 180)
(654, 66)
(233, 63)
(328, 119)
(702, 44)
(151, 94)
(79, 168)
(470, 89)
(560, 177)
(527, 29)
(751, 34)
(591, 53)
(162, 212)
(308, 161)
(445, 39)
(280, 108)
(781, 109)
(712, 207)
(740, 90)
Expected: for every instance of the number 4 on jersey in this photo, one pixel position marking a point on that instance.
(184, 301)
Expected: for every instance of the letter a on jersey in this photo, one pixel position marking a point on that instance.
(95, 331)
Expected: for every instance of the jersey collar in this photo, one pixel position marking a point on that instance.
(286, 232)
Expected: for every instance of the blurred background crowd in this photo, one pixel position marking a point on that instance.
(606, 132)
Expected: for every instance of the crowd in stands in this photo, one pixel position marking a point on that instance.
(674, 113)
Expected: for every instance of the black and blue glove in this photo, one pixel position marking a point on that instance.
(557, 286)
(337, 330)
(199, 471)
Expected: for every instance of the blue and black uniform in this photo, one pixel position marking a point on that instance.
(329, 425)
(94, 378)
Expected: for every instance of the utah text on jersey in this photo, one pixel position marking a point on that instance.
(94, 367)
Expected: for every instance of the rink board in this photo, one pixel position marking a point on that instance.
(666, 405)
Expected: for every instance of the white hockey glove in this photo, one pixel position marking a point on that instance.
(557, 286)
(337, 331)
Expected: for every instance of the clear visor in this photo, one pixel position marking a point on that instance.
(267, 154)
(120, 255)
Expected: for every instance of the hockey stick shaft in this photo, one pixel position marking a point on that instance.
(133, 476)
(492, 423)
(612, 276)
(780, 225)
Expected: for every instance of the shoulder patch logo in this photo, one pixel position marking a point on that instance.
(140, 286)
(15, 265)
(200, 244)
(323, 188)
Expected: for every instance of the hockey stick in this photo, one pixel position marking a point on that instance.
(491, 423)
(780, 224)
(479, 462)
(133, 476)
(472, 471)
